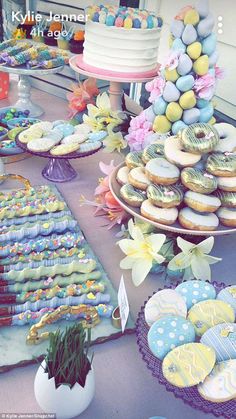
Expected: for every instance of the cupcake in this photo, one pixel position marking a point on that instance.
(51, 35)
(77, 43)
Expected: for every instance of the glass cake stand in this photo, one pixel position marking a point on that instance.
(24, 86)
(116, 79)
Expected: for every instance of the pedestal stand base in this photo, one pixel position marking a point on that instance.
(35, 110)
(59, 170)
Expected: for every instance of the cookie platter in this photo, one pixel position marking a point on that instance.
(190, 395)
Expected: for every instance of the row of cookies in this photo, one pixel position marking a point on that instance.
(59, 137)
(192, 331)
(165, 176)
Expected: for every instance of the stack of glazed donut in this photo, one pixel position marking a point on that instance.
(190, 177)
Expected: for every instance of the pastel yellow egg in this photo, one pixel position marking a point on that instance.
(128, 23)
(188, 100)
(161, 124)
(174, 112)
(212, 121)
(171, 40)
(171, 75)
(194, 50)
(191, 18)
(201, 65)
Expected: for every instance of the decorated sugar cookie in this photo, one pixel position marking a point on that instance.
(228, 295)
(221, 338)
(195, 291)
(209, 313)
(220, 385)
(168, 333)
(163, 303)
(188, 365)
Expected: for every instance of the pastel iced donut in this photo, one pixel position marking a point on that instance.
(209, 313)
(199, 138)
(198, 181)
(153, 151)
(202, 202)
(122, 175)
(195, 291)
(228, 295)
(221, 338)
(168, 333)
(164, 303)
(227, 184)
(227, 134)
(138, 178)
(188, 364)
(162, 172)
(134, 159)
(221, 165)
(192, 220)
(175, 154)
(165, 196)
(220, 385)
(166, 216)
(132, 196)
(228, 199)
(227, 216)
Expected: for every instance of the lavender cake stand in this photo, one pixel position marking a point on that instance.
(58, 168)
(189, 395)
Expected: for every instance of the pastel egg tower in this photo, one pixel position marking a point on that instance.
(188, 78)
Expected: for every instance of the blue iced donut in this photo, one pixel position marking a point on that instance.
(195, 291)
(168, 333)
(221, 338)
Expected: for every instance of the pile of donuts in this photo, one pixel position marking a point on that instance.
(190, 177)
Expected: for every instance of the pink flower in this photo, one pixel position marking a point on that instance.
(182, 12)
(204, 86)
(172, 60)
(138, 131)
(219, 72)
(107, 169)
(83, 94)
(155, 87)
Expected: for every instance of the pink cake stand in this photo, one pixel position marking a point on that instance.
(116, 79)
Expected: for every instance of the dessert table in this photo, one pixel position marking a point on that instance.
(125, 388)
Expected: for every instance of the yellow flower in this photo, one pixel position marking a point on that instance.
(114, 141)
(141, 252)
(101, 117)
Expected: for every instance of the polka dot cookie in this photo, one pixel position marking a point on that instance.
(163, 303)
(228, 295)
(168, 333)
(222, 338)
(220, 385)
(188, 364)
(195, 291)
(209, 313)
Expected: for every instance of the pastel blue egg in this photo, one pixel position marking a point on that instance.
(178, 45)
(185, 65)
(202, 6)
(171, 93)
(149, 113)
(160, 106)
(177, 28)
(202, 103)
(110, 20)
(58, 122)
(97, 136)
(190, 116)
(96, 17)
(209, 44)
(178, 126)
(206, 113)
(66, 129)
(150, 22)
(206, 26)
(185, 83)
(189, 35)
(213, 58)
(136, 23)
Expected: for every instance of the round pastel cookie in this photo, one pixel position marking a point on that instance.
(192, 220)
(195, 291)
(220, 385)
(228, 199)
(132, 196)
(198, 181)
(221, 165)
(188, 365)
(166, 216)
(199, 138)
(228, 295)
(165, 196)
(227, 134)
(63, 149)
(162, 172)
(168, 333)
(227, 184)
(138, 178)
(163, 303)
(153, 151)
(74, 139)
(46, 126)
(82, 129)
(122, 175)
(134, 159)
(30, 134)
(221, 338)
(41, 145)
(202, 202)
(209, 313)
(175, 154)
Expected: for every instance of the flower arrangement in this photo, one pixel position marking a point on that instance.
(83, 94)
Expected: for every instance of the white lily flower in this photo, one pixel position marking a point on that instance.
(194, 259)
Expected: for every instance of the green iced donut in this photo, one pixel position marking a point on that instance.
(228, 199)
(165, 196)
(198, 181)
(134, 159)
(222, 164)
(152, 152)
(132, 196)
(199, 138)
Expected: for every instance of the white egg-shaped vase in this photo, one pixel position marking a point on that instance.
(66, 403)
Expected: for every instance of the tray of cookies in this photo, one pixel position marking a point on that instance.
(184, 184)
(186, 335)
